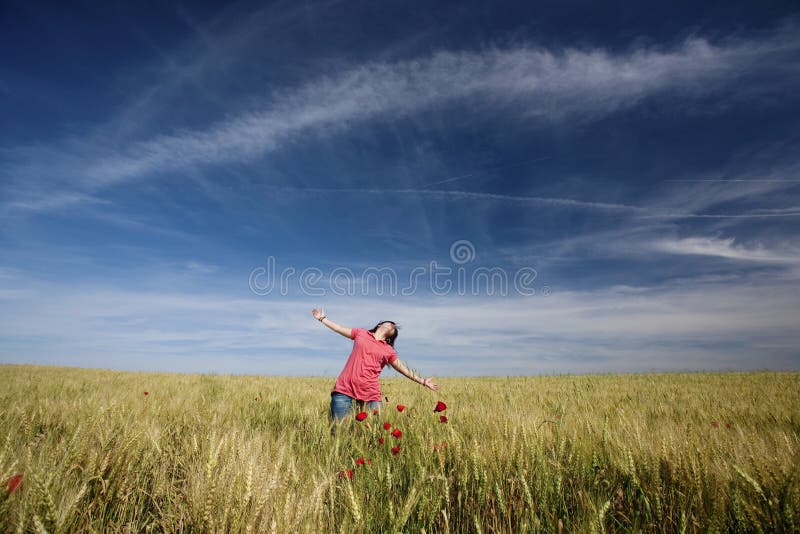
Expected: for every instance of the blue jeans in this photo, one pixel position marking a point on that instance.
(343, 405)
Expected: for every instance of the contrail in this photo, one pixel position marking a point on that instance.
(735, 180)
(454, 178)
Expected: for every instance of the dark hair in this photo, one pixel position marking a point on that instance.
(390, 339)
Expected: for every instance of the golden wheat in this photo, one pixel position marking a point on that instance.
(673, 452)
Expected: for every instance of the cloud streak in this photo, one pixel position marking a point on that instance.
(536, 83)
(724, 248)
(539, 82)
(473, 195)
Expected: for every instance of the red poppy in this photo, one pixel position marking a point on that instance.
(361, 416)
(375, 412)
(400, 407)
(440, 407)
(442, 418)
(147, 393)
(256, 398)
(348, 473)
(13, 482)
(387, 426)
(363, 461)
(396, 433)
(395, 449)
(714, 424)
(728, 425)
(381, 440)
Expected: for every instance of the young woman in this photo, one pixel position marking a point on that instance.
(358, 381)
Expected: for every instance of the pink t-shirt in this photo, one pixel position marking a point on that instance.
(359, 378)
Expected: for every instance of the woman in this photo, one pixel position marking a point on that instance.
(358, 381)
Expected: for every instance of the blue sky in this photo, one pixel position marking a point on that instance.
(631, 172)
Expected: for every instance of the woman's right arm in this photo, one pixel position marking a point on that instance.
(320, 316)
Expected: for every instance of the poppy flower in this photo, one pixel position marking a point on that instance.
(400, 407)
(440, 407)
(395, 450)
(381, 440)
(728, 425)
(375, 412)
(363, 461)
(256, 398)
(442, 418)
(348, 473)
(396, 433)
(13, 483)
(714, 424)
(387, 426)
(146, 393)
(361, 416)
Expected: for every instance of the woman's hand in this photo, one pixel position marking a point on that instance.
(428, 383)
(319, 315)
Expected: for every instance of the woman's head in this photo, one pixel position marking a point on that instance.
(388, 329)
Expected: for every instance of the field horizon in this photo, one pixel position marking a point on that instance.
(399, 377)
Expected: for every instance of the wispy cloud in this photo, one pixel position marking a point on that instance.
(55, 201)
(659, 221)
(200, 267)
(725, 248)
(530, 82)
(755, 214)
(539, 82)
(472, 195)
(692, 324)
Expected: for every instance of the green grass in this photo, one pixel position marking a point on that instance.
(523, 454)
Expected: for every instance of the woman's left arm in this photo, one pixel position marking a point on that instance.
(405, 371)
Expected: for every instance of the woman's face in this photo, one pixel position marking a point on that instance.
(388, 328)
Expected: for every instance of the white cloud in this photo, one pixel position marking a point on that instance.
(473, 195)
(529, 82)
(725, 248)
(200, 267)
(55, 201)
(534, 81)
(701, 324)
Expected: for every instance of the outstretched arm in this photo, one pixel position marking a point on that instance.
(405, 371)
(320, 316)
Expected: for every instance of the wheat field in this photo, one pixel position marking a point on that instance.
(88, 451)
